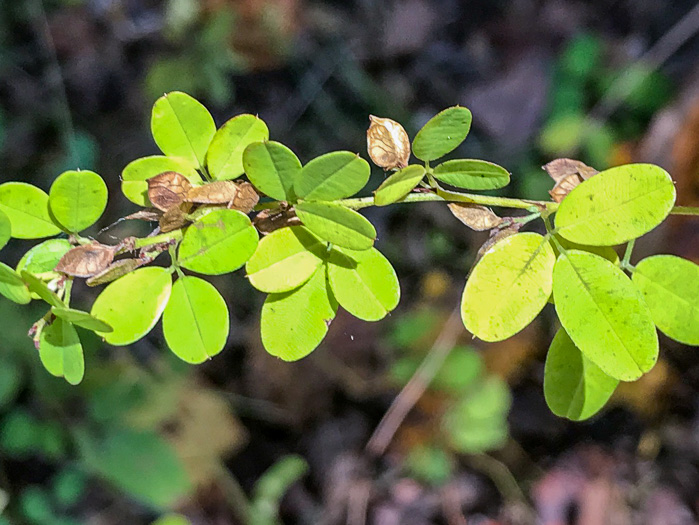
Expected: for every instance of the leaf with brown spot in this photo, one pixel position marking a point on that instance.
(114, 271)
(246, 199)
(86, 260)
(175, 217)
(268, 221)
(168, 189)
(217, 192)
(476, 217)
(387, 143)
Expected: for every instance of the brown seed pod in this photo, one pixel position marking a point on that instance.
(567, 173)
(86, 260)
(175, 217)
(114, 271)
(268, 221)
(168, 189)
(217, 192)
(246, 198)
(387, 143)
(478, 218)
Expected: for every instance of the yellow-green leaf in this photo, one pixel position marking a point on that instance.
(27, 207)
(224, 159)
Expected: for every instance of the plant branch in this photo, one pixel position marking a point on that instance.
(685, 210)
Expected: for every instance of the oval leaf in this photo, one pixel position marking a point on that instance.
(77, 199)
(294, 323)
(332, 176)
(272, 168)
(220, 242)
(616, 205)
(285, 259)
(398, 185)
(472, 174)
(61, 352)
(182, 127)
(12, 286)
(136, 173)
(337, 224)
(224, 159)
(195, 321)
(508, 287)
(44, 257)
(670, 287)
(5, 229)
(604, 315)
(574, 386)
(27, 207)
(133, 304)
(41, 289)
(81, 319)
(442, 133)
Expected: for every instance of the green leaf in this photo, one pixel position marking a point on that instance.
(44, 257)
(271, 487)
(77, 199)
(332, 176)
(429, 464)
(36, 505)
(604, 315)
(172, 519)
(5, 229)
(195, 321)
(68, 486)
(27, 207)
(607, 252)
(12, 286)
(285, 259)
(442, 133)
(132, 304)
(616, 205)
(140, 463)
(81, 319)
(40, 288)
(61, 352)
(182, 127)
(508, 287)
(273, 169)
(574, 386)
(670, 287)
(137, 172)
(398, 185)
(337, 224)
(220, 242)
(224, 159)
(294, 323)
(472, 174)
(462, 367)
(363, 282)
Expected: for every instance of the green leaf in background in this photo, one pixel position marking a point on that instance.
(398, 185)
(36, 505)
(40, 288)
(182, 127)
(195, 320)
(582, 56)
(61, 352)
(604, 315)
(77, 199)
(140, 463)
(508, 287)
(220, 242)
(11, 381)
(363, 282)
(273, 169)
(5, 229)
(12, 286)
(478, 422)
(472, 174)
(81, 319)
(332, 176)
(224, 159)
(429, 464)
(68, 486)
(462, 367)
(137, 172)
(44, 257)
(670, 287)
(27, 207)
(294, 323)
(563, 134)
(442, 133)
(132, 304)
(271, 487)
(574, 386)
(337, 224)
(285, 259)
(172, 519)
(616, 205)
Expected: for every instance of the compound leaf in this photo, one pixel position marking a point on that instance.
(27, 207)
(337, 224)
(472, 174)
(224, 160)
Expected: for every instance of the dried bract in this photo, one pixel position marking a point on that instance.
(388, 143)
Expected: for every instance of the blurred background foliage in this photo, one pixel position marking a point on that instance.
(248, 439)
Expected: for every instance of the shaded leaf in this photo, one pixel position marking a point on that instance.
(86, 260)
(137, 172)
(44, 257)
(224, 159)
(61, 352)
(27, 207)
(398, 185)
(12, 286)
(40, 288)
(81, 319)
(77, 199)
(168, 190)
(442, 133)
(272, 168)
(337, 224)
(114, 271)
(472, 174)
(5, 229)
(332, 176)
(388, 144)
(478, 218)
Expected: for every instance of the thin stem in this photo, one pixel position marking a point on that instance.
(627, 254)
(175, 235)
(68, 288)
(685, 210)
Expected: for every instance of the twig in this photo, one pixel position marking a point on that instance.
(358, 502)
(417, 385)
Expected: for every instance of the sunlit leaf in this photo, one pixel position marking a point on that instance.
(77, 199)
(137, 172)
(607, 252)
(44, 257)
(12, 286)
(81, 319)
(574, 386)
(617, 205)
(220, 242)
(114, 271)
(224, 159)
(61, 352)
(27, 207)
(398, 185)
(133, 304)
(472, 174)
(604, 315)
(332, 176)
(508, 287)
(40, 288)
(272, 168)
(337, 224)
(388, 144)
(5, 229)
(442, 133)
(195, 321)
(670, 287)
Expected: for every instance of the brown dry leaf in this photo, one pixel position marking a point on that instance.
(168, 189)
(217, 192)
(175, 217)
(388, 143)
(87, 260)
(149, 214)
(476, 217)
(114, 271)
(246, 198)
(564, 186)
(269, 220)
(567, 173)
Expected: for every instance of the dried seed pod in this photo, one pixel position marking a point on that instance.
(168, 189)
(87, 260)
(114, 271)
(559, 169)
(268, 221)
(387, 143)
(217, 192)
(246, 198)
(175, 217)
(564, 186)
(476, 217)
